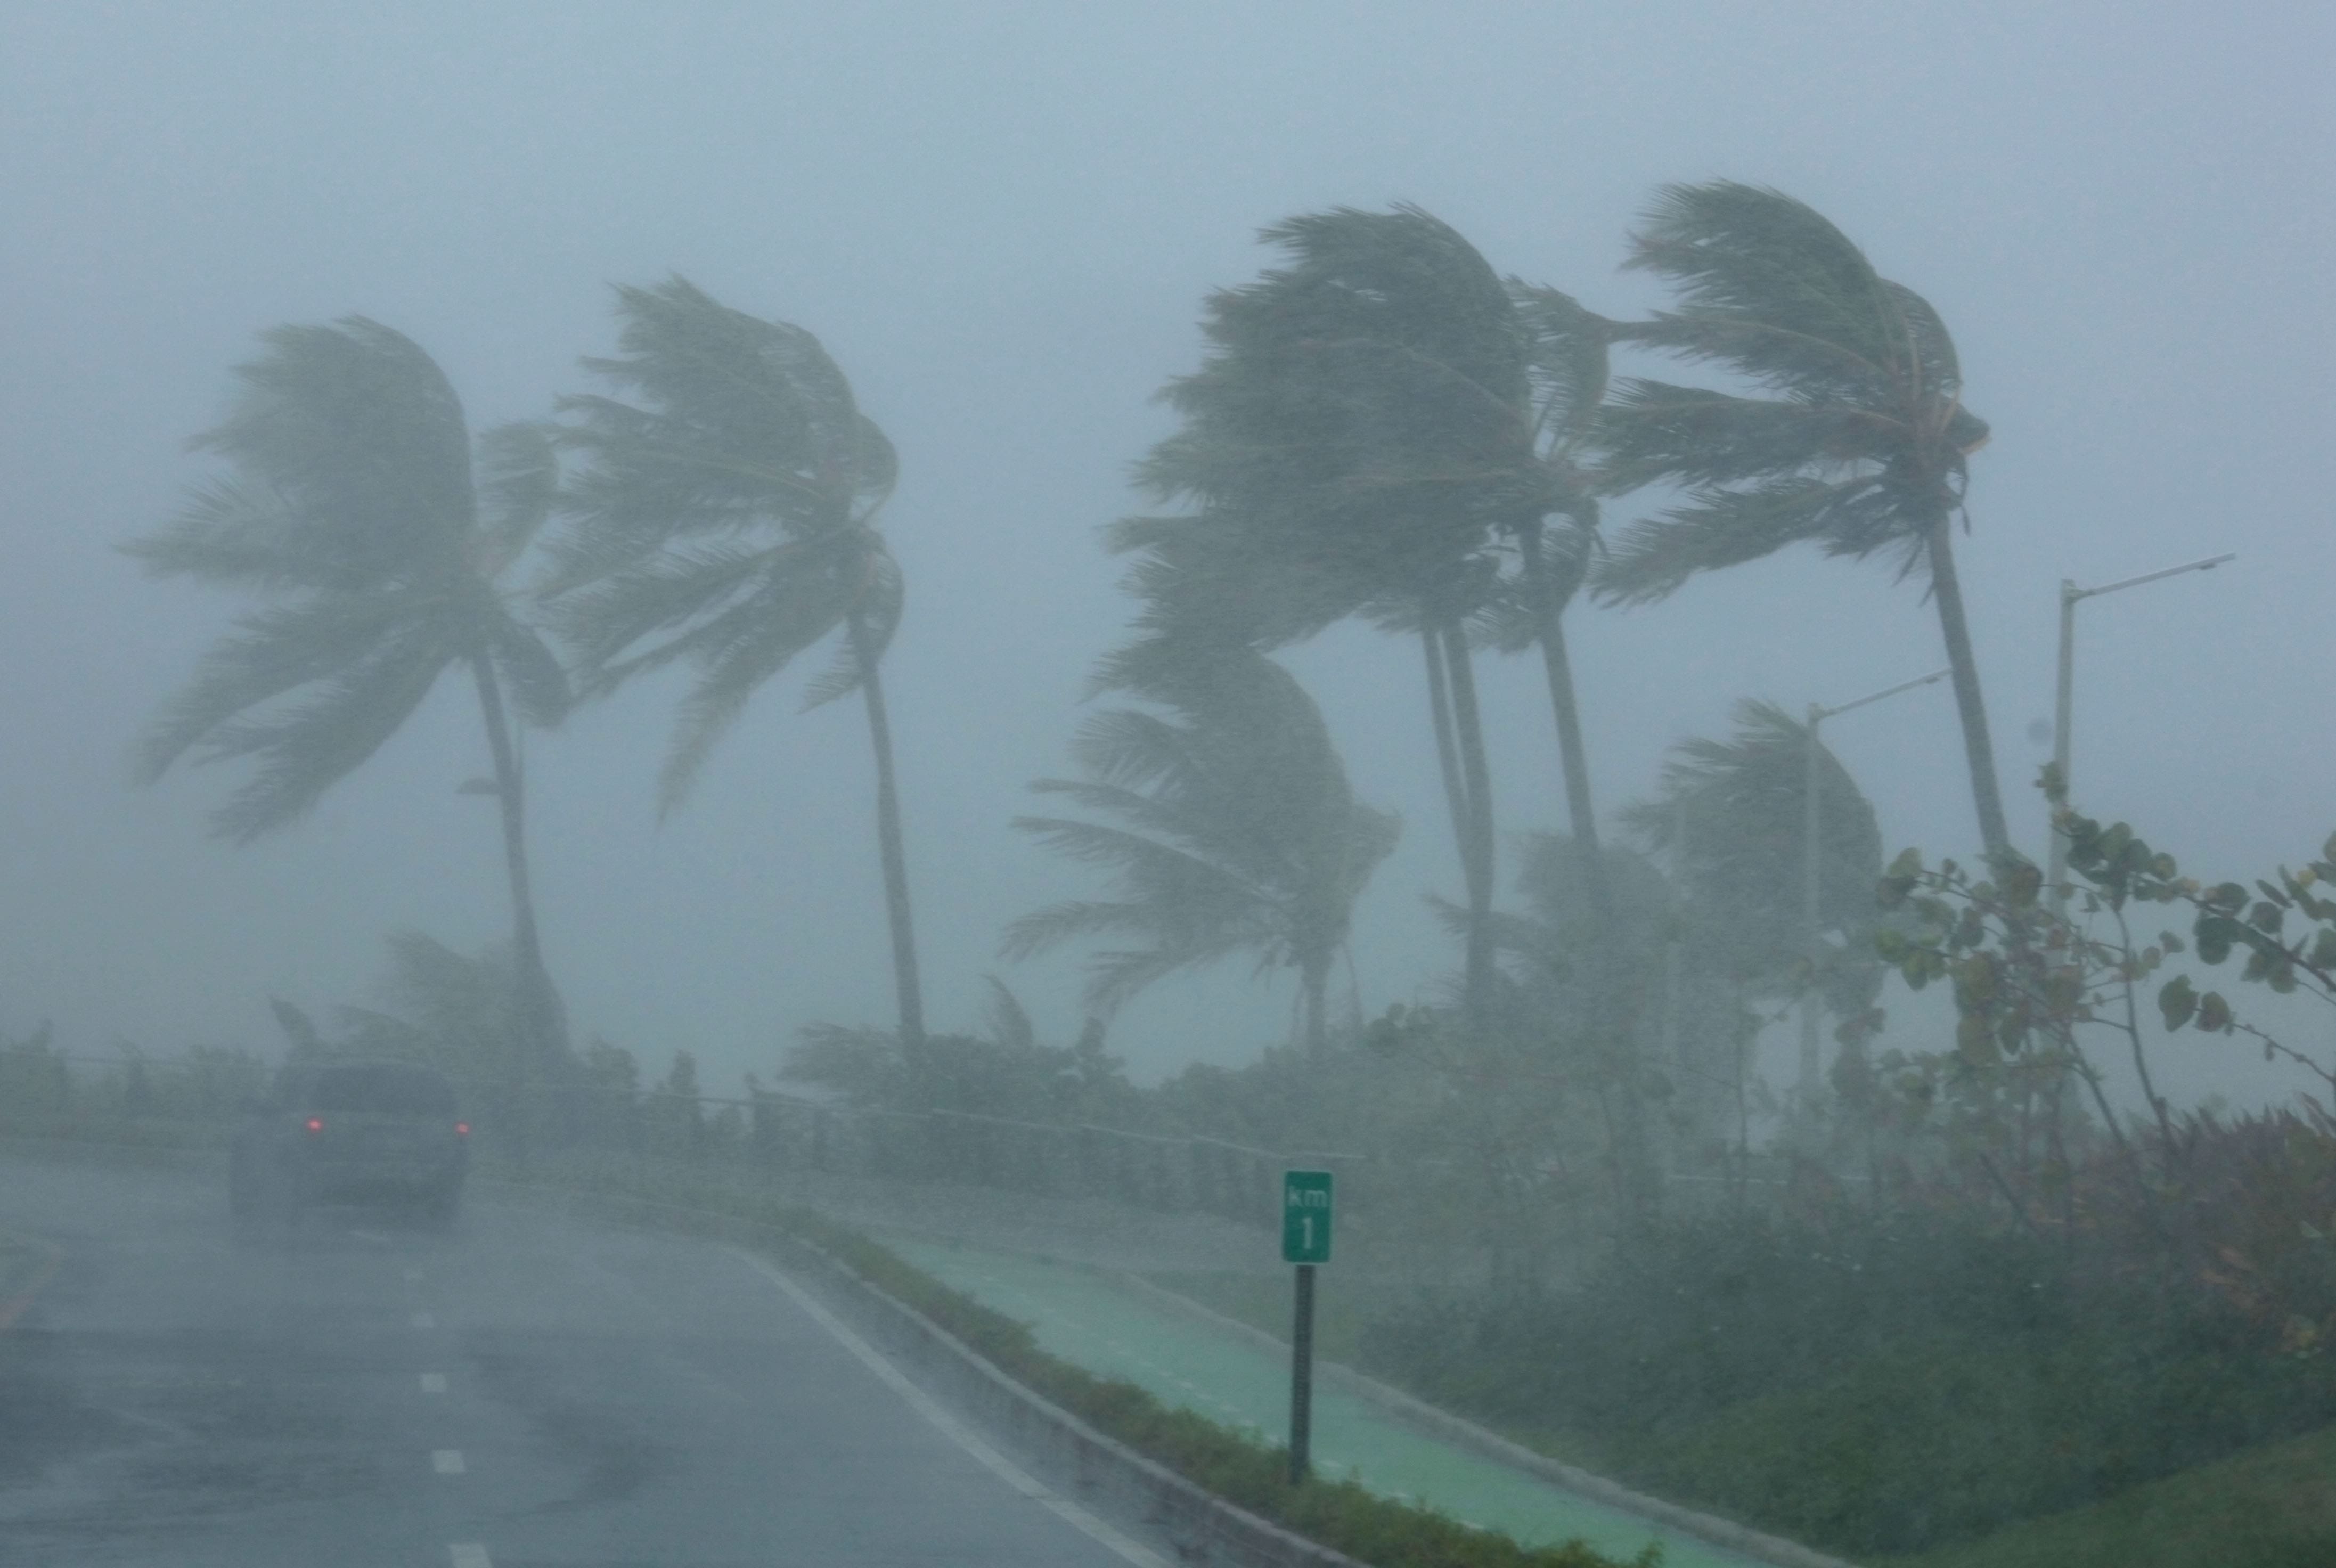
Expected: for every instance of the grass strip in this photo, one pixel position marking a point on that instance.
(2266, 1507)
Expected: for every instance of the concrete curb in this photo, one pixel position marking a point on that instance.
(1205, 1527)
(1465, 1434)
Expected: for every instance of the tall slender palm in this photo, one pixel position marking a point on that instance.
(726, 518)
(1853, 434)
(1567, 371)
(1362, 438)
(353, 510)
(1236, 832)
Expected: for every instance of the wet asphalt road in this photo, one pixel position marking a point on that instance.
(528, 1390)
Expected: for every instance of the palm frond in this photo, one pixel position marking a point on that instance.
(531, 671)
(1654, 557)
(359, 435)
(1049, 928)
(1769, 288)
(1008, 1022)
(305, 748)
(519, 486)
(879, 600)
(735, 653)
(276, 651)
(1566, 359)
(237, 532)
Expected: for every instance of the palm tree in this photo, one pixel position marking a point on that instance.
(1235, 832)
(353, 508)
(1567, 371)
(1732, 814)
(1372, 422)
(1853, 433)
(726, 518)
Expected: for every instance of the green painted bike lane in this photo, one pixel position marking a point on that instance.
(1082, 1316)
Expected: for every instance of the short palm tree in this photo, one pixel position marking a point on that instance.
(1231, 829)
(1371, 431)
(353, 508)
(725, 518)
(1732, 816)
(1851, 433)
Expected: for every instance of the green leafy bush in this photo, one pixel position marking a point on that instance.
(1868, 1382)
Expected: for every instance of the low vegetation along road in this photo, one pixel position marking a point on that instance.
(528, 1389)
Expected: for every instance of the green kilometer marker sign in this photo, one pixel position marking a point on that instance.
(1305, 1216)
(1305, 1241)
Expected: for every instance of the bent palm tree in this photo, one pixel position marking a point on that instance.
(354, 506)
(727, 520)
(1236, 833)
(1855, 436)
(1733, 814)
(1367, 431)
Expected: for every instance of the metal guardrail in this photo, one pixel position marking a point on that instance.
(520, 1125)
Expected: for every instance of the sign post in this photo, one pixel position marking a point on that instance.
(1306, 1242)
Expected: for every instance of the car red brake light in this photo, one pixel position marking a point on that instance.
(462, 1129)
(315, 1123)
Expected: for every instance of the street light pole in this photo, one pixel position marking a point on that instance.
(1812, 825)
(2064, 697)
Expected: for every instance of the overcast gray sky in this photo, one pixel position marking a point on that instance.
(1002, 220)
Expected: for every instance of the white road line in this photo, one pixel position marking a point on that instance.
(375, 1237)
(469, 1554)
(446, 1461)
(955, 1430)
(424, 1320)
(433, 1382)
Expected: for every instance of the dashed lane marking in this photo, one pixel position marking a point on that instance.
(469, 1554)
(1122, 1547)
(433, 1382)
(446, 1461)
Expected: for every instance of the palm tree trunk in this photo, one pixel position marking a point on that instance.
(1573, 758)
(888, 839)
(1447, 754)
(1476, 849)
(1978, 749)
(1314, 982)
(546, 1017)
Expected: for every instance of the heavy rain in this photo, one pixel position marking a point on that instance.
(1441, 787)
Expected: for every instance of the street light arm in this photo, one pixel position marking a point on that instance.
(2072, 592)
(1818, 714)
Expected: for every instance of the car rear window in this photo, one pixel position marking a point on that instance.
(407, 1090)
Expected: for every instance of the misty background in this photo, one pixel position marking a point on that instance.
(1002, 222)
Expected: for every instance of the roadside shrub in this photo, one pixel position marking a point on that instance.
(1870, 1382)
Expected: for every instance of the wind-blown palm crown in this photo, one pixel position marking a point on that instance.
(726, 519)
(352, 503)
(1241, 834)
(1378, 425)
(1733, 813)
(353, 506)
(1360, 418)
(1852, 432)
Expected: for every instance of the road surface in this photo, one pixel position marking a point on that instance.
(529, 1391)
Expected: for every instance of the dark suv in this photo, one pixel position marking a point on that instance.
(352, 1133)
